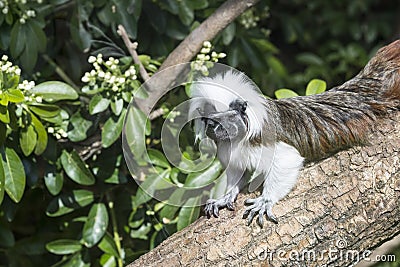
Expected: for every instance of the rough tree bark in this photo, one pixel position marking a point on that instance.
(344, 205)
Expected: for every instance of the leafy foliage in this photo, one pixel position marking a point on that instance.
(67, 197)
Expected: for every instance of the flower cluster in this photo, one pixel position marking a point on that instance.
(57, 132)
(7, 67)
(251, 17)
(17, 7)
(107, 75)
(205, 58)
(9, 71)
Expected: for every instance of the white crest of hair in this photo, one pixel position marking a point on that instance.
(224, 88)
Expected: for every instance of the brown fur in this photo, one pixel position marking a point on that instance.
(322, 124)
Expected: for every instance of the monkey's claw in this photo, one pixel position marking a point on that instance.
(214, 205)
(259, 206)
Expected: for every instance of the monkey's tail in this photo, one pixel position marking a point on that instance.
(322, 124)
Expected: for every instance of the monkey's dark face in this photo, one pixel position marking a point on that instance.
(230, 125)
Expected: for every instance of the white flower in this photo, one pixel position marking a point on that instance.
(107, 76)
(221, 55)
(31, 13)
(85, 78)
(4, 58)
(39, 99)
(205, 50)
(92, 59)
(50, 130)
(121, 79)
(127, 73)
(22, 20)
(207, 44)
(101, 74)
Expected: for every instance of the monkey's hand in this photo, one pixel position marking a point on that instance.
(260, 206)
(214, 205)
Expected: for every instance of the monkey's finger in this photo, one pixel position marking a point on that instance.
(251, 216)
(271, 216)
(250, 201)
(207, 211)
(260, 220)
(229, 205)
(215, 211)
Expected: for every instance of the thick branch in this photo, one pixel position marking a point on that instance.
(218, 21)
(347, 204)
(192, 44)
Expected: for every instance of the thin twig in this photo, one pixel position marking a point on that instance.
(60, 72)
(132, 50)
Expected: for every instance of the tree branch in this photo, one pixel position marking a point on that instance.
(347, 205)
(207, 30)
(192, 44)
(132, 50)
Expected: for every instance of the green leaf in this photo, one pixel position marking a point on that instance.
(6, 236)
(64, 246)
(18, 39)
(14, 175)
(140, 197)
(277, 66)
(4, 115)
(11, 84)
(54, 91)
(315, 86)
(285, 93)
(197, 4)
(39, 37)
(2, 180)
(309, 59)
(112, 130)
(185, 13)
(15, 95)
(157, 158)
(107, 245)
(117, 106)
(80, 128)
(69, 202)
(76, 169)
(95, 226)
(42, 137)
(142, 232)
(78, 260)
(3, 133)
(98, 104)
(229, 33)
(54, 182)
(27, 140)
(135, 131)
(204, 178)
(107, 260)
(45, 110)
(189, 213)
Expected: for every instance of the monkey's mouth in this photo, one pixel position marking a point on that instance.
(224, 126)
